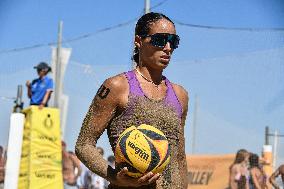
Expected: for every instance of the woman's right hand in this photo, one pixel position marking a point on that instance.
(122, 179)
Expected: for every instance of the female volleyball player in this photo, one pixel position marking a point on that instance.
(142, 95)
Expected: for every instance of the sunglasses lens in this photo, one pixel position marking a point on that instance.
(174, 41)
(160, 40)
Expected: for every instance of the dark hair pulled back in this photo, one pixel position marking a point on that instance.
(254, 160)
(143, 27)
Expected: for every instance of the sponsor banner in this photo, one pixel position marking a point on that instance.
(44, 151)
(24, 166)
(23, 181)
(208, 171)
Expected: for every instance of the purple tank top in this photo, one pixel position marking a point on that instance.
(163, 114)
(170, 98)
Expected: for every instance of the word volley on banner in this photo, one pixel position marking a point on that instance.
(208, 171)
(41, 158)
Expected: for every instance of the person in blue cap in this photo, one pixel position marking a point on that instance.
(40, 89)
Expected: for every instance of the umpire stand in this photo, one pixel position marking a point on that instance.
(41, 159)
(34, 150)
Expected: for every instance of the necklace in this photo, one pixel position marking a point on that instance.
(149, 80)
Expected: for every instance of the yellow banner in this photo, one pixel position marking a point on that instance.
(23, 181)
(209, 171)
(42, 168)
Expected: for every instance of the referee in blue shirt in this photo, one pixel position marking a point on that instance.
(40, 89)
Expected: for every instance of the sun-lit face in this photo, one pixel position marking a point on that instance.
(246, 161)
(156, 57)
(41, 73)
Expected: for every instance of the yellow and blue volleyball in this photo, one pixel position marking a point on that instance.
(142, 149)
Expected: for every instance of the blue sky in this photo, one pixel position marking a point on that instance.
(237, 75)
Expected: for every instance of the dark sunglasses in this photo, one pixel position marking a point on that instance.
(161, 39)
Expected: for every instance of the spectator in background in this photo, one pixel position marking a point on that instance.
(70, 167)
(81, 182)
(111, 162)
(90, 180)
(75, 157)
(78, 163)
(278, 172)
(258, 179)
(40, 89)
(239, 171)
(2, 168)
